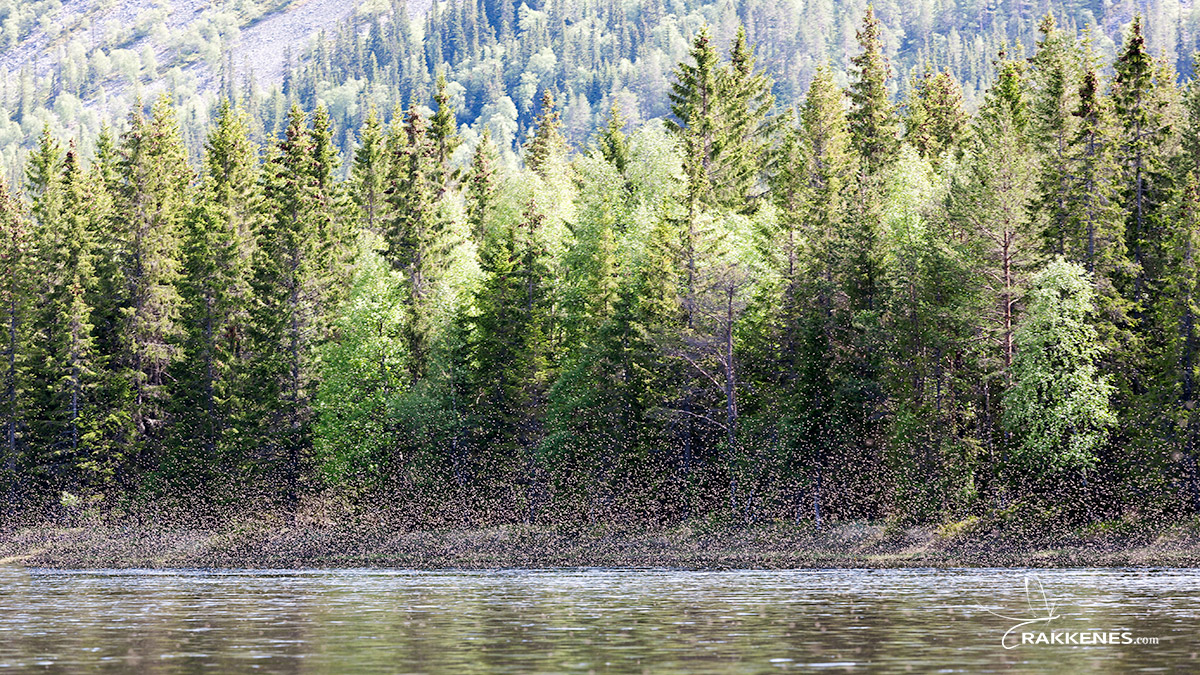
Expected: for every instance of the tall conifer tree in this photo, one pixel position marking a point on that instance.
(1140, 105)
(481, 187)
(1096, 223)
(16, 293)
(746, 103)
(285, 328)
(154, 184)
(1055, 76)
(1179, 314)
(65, 333)
(443, 133)
(614, 146)
(415, 236)
(548, 146)
(217, 254)
(936, 121)
(873, 121)
(369, 172)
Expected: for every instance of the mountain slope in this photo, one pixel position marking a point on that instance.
(79, 64)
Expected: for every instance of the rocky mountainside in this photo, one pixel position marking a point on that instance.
(252, 34)
(77, 64)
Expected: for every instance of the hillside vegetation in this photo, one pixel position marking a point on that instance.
(849, 310)
(79, 65)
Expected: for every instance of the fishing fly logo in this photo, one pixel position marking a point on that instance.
(1033, 627)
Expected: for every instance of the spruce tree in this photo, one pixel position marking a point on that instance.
(43, 178)
(154, 185)
(659, 306)
(1189, 132)
(107, 298)
(285, 328)
(721, 116)
(1179, 313)
(44, 186)
(415, 237)
(815, 172)
(613, 144)
(873, 121)
(1096, 239)
(873, 126)
(695, 105)
(443, 133)
(369, 173)
(936, 121)
(698, 125)
(746, 102)
(68, 358)
(217, 252)
(1096, 224)
(991, 201)
(594, 408)
(1143, 94)
(991, 206)
(509, 352)
(481, 187)
(1140, 103)
(826, 165)
(16, 293)
(1055, 75)
(334, 237)
(548, 147)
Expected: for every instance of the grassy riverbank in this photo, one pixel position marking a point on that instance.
(271, 543)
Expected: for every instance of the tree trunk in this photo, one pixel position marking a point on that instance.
(731, 411)
(10, 395)
(293, 441)
(210, 431)
(1006, 299)
(817, 496)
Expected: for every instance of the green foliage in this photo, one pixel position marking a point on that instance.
(721, 116)
(548, 146)
(1058, 405)
(285, 327)
(1095, 229)
(991, 199)
(153, 187)
(15, 296)
(370, 172)
(73, 74)
(481, 186)
(64, 354)
(415, 234)
(363, 373)
(873, 122)
(936, 121)
(1056, 65)
(724, 309)
(614, 147)
(217, 252)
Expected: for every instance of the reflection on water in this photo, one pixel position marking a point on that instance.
(587, 620)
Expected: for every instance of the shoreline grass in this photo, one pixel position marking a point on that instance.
(268, 544)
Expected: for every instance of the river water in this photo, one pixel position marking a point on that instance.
(599, 620)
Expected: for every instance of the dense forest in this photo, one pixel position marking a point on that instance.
(850, 308)
(79, 66)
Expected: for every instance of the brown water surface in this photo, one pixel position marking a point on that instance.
(595, 620)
